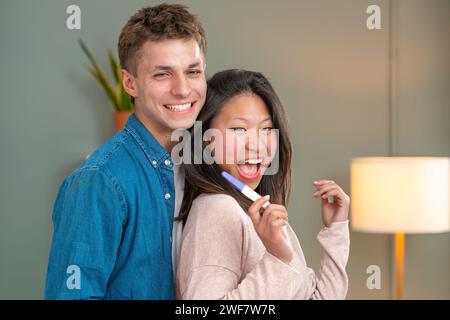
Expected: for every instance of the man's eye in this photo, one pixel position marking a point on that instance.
(160, 75)
(194, 72)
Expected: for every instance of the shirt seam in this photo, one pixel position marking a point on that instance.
(162, 155)
(102, 162)
(112, 180)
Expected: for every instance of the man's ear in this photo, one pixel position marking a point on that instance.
(129, 83)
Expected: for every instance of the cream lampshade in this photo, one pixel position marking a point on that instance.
(400, 195)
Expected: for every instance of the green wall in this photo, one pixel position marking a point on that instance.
(331, 72)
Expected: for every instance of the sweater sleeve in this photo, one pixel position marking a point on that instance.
(215, 244)
(331, 282)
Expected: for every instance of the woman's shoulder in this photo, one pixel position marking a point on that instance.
(218, 201)
(217, 207)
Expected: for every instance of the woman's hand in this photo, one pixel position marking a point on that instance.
(336, 211)
(269, 225)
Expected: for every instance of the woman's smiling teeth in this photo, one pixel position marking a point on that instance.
(249, 169)
(253, 161)
(178, 107)
(250, 161)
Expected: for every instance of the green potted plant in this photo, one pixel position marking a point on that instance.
(121, 101)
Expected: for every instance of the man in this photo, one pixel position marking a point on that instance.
(113, 216)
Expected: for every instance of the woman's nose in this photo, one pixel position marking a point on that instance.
(252, 141)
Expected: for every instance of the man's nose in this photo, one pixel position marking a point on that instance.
(181, 87)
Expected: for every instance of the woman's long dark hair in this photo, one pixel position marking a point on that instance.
(206, 178)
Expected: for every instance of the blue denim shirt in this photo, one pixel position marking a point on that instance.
(113, 220)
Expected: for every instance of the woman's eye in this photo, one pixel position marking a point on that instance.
(267, 129)
(238, 130)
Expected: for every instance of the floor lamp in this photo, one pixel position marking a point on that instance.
(400, 195)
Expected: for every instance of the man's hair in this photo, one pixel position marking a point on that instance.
(161, 22)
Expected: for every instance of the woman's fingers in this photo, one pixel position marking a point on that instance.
(322, 182)
(328, 188)
(325, 188)
(277, 224)
(270, 233)
(274, 211)
(254, 209)
(273, 218)
(338, 194)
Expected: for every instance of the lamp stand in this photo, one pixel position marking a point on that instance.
(399, 264)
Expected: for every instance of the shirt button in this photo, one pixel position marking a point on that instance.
(167, 162)
(170, 239)
(154, 163)
(167, 196)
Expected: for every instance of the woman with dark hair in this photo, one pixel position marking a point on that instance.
(233, 248)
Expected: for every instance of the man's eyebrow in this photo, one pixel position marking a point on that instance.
(194, 65)
(163, 68)
(169, 68)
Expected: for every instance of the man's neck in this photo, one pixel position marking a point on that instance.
(161, 135)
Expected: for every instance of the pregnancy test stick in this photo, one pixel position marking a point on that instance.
(247, 191)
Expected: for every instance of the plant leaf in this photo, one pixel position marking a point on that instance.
(99, 75)
(114, 66)
(87, 52)
(125, 100)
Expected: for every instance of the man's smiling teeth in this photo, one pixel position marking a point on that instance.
(179, 107)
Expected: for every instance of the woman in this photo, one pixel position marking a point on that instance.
(233, 248)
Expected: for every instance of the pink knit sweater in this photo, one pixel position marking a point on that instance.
(222, 257)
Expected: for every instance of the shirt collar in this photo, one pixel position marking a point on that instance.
(151, 147)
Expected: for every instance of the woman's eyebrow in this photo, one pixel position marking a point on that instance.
(240, 119)
(248, 120)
